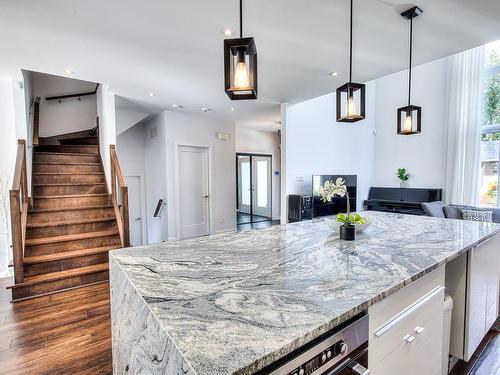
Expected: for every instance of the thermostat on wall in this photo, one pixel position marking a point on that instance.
(223, 136)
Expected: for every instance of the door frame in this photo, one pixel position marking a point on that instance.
(211, 219)
(144, 215)
(251, 155)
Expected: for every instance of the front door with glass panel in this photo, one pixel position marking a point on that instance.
(254, 188)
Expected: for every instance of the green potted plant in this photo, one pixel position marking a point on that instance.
(403, 177)
(327, 192)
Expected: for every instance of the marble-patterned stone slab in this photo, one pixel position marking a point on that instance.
(234, 303)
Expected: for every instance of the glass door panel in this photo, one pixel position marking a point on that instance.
(262, 188)
(244, 189)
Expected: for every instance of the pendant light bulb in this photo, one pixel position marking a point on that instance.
(351, 107)
(241, 79)
(408, 126)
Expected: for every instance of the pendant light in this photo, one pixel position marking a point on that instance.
(410, 117)
(240, 66)
(351, 96)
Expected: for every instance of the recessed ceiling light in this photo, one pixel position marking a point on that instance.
(227, 32)
(151, 94)
(205, 109)
(333, 74)
(177, 106)
(68, 71)
(232, 109)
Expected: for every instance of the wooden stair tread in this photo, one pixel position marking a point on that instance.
(54, 276)
(65, 153)
(68, 254)
(77, 138)
(70, 222)
(63, 163)
(72, 184)
(70, 237)
(43, 210)
(68, 173)
(71, 196)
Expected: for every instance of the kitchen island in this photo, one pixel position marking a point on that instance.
(234, 303)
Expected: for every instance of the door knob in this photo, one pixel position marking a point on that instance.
(205, 196)
(138, 218)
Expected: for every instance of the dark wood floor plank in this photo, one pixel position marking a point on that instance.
(63, 333)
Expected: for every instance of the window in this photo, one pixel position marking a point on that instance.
(490, 132)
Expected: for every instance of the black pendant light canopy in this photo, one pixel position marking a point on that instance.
(240, 66)
(410, 116)
(351, 96)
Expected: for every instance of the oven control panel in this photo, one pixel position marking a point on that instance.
(320, 359)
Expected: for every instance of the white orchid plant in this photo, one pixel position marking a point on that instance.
(338, 188)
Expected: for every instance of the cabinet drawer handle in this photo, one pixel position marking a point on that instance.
(409, 338)
(419, 329)
(407, 311)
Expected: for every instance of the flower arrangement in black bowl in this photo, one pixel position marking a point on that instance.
(338, 188)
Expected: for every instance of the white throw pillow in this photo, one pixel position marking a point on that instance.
(473, 215)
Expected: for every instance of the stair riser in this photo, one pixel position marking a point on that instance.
(41, 158)
(65, 264)
(67, 168)
(85, 149)
(87, 243)
(47, 217)
(70, 202)
(54, 286)
(70, 229)
(80, 141)
(68, 190)
(67, 178)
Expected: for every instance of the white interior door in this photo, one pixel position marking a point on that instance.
(244, 187)
(262, 191)
(194, 209)
(135, 202)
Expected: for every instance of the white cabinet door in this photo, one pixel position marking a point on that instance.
(421, 356)
(482, 304)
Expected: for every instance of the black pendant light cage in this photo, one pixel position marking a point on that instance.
(410, 116)
(350, 101)
(240, 66)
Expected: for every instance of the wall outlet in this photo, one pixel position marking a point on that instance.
(299, 179)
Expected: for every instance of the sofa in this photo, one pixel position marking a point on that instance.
(454, 211)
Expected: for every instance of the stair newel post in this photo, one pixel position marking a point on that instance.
(17, 236)
(125, 216)
(113, 173)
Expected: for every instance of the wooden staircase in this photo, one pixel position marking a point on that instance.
(72, 222)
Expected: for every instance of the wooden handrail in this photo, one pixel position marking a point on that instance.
(119, 197)
(19, 211)
(36, 121)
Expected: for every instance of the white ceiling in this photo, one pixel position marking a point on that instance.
(174, 48)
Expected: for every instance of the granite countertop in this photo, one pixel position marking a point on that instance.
(233, 303)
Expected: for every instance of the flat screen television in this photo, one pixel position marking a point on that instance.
(338, 204)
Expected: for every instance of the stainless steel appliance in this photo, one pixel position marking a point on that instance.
(342, 352)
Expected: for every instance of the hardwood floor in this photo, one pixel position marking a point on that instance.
(70, 333)
(64, 333)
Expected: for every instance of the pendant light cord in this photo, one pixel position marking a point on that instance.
(411, 55)
(350, 47)
(241, 18)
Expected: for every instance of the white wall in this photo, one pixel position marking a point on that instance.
(8, 149)
(71, 115)
(107, 126)
(317, 144)
(155, 170)
(128, 114)
(422, 155)
(199, 130)
(263, 142)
